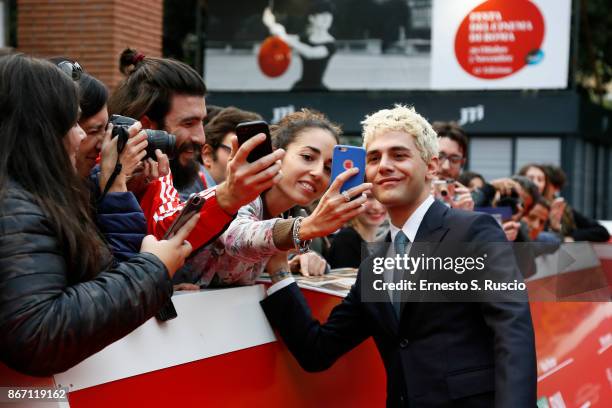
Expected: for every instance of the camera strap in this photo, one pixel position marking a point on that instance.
(111, 179)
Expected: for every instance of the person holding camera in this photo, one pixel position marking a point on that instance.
(63, 297)
(560, 217)
(565, 221)
(507, 193)
(165, 94)
(118, 214)
(452, 144)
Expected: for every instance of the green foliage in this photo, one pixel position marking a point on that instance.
(595, 44)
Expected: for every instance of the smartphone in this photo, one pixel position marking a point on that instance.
(247, 130)
(347, 157)
(192, 206)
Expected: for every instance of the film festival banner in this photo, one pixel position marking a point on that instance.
(334, 45)
(500, 44)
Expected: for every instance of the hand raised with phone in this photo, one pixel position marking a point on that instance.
(172, 252)
(245, 181)
(335, 208)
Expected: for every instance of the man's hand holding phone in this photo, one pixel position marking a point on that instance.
(245, 181)
(172, 252)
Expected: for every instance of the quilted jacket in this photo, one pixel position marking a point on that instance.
(49, 321)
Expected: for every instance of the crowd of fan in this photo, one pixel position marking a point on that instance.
(538, 211)
(83, 215)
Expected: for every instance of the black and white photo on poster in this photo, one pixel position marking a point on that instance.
(326, 45)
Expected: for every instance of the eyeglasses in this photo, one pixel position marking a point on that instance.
(226, 147)
(72, 69)
(454, 159)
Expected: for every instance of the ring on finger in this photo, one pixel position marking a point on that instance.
(346, 196)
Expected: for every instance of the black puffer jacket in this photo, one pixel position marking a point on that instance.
(48, 325)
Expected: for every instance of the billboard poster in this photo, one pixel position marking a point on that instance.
(337, 45)
(500, 44)
(334, 45)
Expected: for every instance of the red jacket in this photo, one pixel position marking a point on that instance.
(161, 205)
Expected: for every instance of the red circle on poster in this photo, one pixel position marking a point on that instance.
(498, 38)
(274, 57)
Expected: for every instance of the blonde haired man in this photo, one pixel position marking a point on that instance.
(453, 354)
(406, 119)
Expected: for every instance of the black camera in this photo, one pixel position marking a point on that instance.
(513, 201)
(157, 139)
(483, 196)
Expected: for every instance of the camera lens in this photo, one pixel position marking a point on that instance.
(162, 140)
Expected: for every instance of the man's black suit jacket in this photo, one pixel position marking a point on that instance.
(438, 354)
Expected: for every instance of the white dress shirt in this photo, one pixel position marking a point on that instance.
(412, 224)
(410, 229)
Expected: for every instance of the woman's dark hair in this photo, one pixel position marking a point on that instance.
(211, 112)
(93, 95)
(556, 175)
(38, 107)
(467, 176)
(291, 125)
(150, 84)
(523, 172)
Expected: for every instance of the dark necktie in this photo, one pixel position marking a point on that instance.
(400, 243)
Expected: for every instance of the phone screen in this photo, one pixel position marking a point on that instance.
(247, 130)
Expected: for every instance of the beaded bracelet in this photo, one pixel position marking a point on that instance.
(300, 246)
(279, 275)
